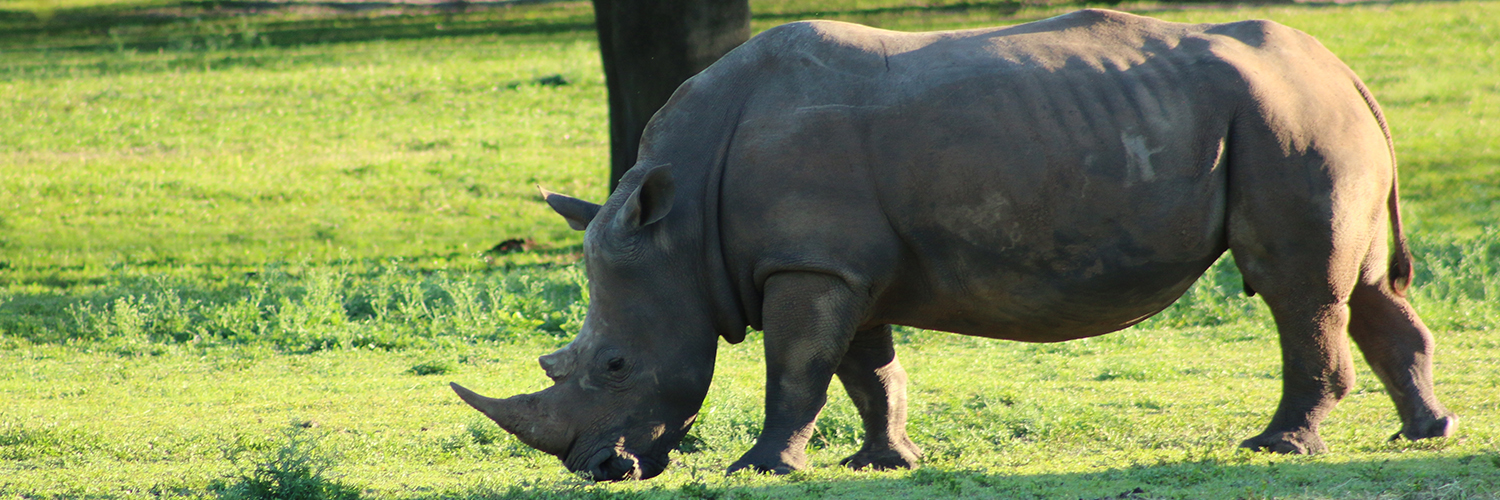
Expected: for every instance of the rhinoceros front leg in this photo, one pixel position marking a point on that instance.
(809, 321)
(876, 382)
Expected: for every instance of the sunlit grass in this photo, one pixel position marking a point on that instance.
(394, 151)
(992, 416)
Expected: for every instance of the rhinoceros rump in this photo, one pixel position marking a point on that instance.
(1043, 182)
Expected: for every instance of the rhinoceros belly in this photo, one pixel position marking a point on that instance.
(1069, 243)
(1036, 293)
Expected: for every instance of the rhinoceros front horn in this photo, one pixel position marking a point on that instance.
(526, 416)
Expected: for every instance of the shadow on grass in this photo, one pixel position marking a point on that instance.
(216, 25)
(1001, 8)
(211, 26)
(1259, 476)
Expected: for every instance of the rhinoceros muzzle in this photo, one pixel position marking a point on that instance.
(615, 464)
(611, 460)
(534, 422)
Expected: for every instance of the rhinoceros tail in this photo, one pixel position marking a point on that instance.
(1400, 270)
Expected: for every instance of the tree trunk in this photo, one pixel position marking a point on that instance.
(650, 47)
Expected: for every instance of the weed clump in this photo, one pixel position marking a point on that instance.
(434, 367)
(366, 305)
(297, 470)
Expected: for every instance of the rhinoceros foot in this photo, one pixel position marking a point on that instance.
(1298, 442)
(1428, 428)
(779, 464)
(903, 455)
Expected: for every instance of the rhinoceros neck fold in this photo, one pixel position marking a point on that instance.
(731, 318)
(699, 158)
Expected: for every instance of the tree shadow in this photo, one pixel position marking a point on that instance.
(1259, 476)
(220, 24)
(216, 25)
(1002, 8)
(213, 25)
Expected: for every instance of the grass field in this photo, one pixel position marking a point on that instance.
(236, 244)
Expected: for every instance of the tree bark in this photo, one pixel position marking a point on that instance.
(649, 47)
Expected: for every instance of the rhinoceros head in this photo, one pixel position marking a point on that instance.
(629, 386)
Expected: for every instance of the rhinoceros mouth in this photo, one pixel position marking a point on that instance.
(617, 463)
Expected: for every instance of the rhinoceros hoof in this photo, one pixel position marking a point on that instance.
(879, 460)
(1300, 442)
(773, 464)
(1430, 428)
(775, 469)
(901, 455)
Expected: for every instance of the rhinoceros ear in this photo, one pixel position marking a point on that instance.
(652, 198)
(576, 211)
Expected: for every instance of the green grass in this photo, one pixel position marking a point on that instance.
(232, 245)
(1085, 419)
(372, 149)
(297, 469)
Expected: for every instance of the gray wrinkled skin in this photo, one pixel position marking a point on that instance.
(1042, 182)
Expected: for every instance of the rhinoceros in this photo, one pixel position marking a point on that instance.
(1042, 182)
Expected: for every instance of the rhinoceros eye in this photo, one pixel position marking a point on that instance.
(616, 364)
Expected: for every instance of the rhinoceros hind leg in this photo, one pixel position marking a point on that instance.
(1399, 349)
(1308, 298)
(810, 319)
(1317, 370)
(876, 382)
